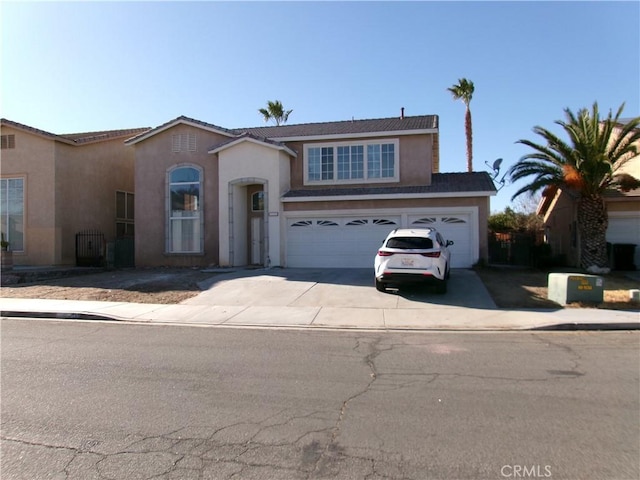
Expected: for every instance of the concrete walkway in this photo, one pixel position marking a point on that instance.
(328, 298)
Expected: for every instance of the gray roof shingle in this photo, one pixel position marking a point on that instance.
(76, 138)
(441, 183)
(422, 122)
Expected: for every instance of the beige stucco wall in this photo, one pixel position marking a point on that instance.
(415, 152)
(33, 160)
(559, 222)
(153, 157)
(87, 178)
(241, 165)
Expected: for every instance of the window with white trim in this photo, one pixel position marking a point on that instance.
(351, 162)
(12, 212)
(184, 185)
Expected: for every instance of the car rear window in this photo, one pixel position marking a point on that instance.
(410, 243)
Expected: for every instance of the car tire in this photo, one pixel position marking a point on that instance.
(380, 286)
(441, 286)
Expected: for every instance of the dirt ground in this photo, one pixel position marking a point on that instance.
(510, 288)
(163, 286)
(527, 288)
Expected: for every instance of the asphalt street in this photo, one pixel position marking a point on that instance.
(83, 400)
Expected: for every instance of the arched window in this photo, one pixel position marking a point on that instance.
(185, 210)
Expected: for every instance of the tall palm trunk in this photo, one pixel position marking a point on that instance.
(592, 225)
(469, 135)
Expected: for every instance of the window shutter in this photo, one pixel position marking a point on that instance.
(175, 143)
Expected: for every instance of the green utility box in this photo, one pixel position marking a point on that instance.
(565, 288)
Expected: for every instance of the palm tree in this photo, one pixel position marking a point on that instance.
(276, 112)
(463, 90)
(587, 165)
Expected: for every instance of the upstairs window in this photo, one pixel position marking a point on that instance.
(352, 163)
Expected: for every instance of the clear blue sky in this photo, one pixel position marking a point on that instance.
(73, 67)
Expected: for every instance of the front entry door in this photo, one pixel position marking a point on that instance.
(257, 224)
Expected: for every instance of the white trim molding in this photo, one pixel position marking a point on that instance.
(386, 196)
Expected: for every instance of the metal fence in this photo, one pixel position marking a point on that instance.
(90, 248)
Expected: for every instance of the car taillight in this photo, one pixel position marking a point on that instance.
(382, 253)
(431, 254)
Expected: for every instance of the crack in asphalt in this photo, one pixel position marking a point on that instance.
(574, 358)
(285, 444)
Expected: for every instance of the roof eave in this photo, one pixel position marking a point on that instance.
(233, 143)
(389, 196)
(37, 132)
(339, 136)
(171, 124)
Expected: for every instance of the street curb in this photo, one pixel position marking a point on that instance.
(574, 326)
(558, 327)
(58, 315)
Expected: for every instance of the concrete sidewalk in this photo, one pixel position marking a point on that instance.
(328, 298)
(436, 318)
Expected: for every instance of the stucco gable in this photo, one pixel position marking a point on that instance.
(248, 137)
(182, 120)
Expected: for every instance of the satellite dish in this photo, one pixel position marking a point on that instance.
(496, 164)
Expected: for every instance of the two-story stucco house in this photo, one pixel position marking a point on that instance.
(307, 195)
(54, 186)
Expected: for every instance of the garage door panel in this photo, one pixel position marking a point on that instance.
(625, 229)
(352, 242)
(348, 242)
(456, 228)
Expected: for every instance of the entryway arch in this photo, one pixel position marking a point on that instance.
(248, 226)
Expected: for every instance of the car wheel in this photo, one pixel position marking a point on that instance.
(441, 286)
(380, 286)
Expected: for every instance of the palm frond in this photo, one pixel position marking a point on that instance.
(588, 161)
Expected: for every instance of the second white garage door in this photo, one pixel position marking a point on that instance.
(352, 242)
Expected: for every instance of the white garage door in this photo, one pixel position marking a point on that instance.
(452, 227)
(337, 242)
(625, 229)
(352, 242)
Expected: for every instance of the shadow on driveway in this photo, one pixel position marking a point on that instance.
(335, 288)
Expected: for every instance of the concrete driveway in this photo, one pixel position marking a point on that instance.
(335, 288)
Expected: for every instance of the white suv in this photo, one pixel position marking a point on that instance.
(413, 256)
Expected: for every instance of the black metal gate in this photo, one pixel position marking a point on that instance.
(90, 248)
(511, 248)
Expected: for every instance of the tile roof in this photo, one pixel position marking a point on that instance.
(440, 183)
(348, 127)
(422, 122)
(176, 121)
(251, 136)
(76, 138)
(87, 137)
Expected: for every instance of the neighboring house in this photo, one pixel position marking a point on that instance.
(559, 210)
(308, 195)
(54, 186)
